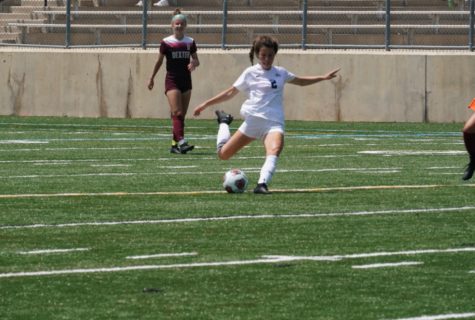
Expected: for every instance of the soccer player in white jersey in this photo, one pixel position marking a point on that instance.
(263, 111)
(180, 52)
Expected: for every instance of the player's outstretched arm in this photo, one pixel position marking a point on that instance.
(221, 97)
(305, 81)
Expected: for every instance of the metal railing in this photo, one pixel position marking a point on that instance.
(304, 27)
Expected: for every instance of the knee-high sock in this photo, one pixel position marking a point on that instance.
(223, 135)
(268, 169)
(469, 140)
(178, 124)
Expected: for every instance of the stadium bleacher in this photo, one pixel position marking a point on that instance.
(330, 22)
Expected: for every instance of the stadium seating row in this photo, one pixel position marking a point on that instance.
(336, 22)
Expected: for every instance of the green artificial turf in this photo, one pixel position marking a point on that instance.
(345, 195)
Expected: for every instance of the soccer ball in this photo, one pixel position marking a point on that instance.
(235, 181)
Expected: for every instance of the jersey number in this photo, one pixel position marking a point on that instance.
(273, 84)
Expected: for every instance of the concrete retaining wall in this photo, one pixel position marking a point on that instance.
(373, 86)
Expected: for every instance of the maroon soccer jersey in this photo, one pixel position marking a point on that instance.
(178, 54)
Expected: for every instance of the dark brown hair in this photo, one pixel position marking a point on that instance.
(262, 41)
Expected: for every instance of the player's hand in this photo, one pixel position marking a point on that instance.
(198, 109)
(331, 74)
(150, 85)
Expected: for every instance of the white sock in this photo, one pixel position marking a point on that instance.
(223, 135)
(268, 169)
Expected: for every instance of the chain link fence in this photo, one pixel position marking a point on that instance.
(388, 24)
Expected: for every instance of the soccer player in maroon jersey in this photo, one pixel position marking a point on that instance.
(182, 59)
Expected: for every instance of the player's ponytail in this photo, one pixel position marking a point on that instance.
(177, 15)
(262, 41)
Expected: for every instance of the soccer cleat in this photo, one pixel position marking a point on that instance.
(175, 149)
(469, 170)
(185, 147)
(139, 4)
(261, 188)
(224, 117)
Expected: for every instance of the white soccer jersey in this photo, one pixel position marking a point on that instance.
(264, 89)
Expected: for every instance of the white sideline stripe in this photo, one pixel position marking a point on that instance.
(442, 316)
(386, 265)
(136, 126)
(266, 259)
(341, 169)
(47, 251)
(201, 147)
(240, 217)
(179, 193)
(177, 167)
(22, 142)
(109, 165)
(82, 125)
(445, 173)
(412, 153)
(58, 163)
(72, 148)
(162, 255)
(133, 268)
(120, 174)
(167, 159)
(369, 255)
(84, 160)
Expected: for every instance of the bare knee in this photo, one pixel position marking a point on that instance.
(178, 113)
(274, 151)
(469, 127)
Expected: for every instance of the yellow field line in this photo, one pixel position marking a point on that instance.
(204, 192)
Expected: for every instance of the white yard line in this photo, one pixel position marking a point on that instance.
(243, 217)
(135, 268)
(318, 131)
(263, 260)
(413, 152)
(49, 251)
(126, 174)
(74, 149)
(111, 165)
(444, 173)
(174, 159)
(127, 160)
(23, 142)
(387, 265)
(162, 255)
(370, 255)
(442, 316)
